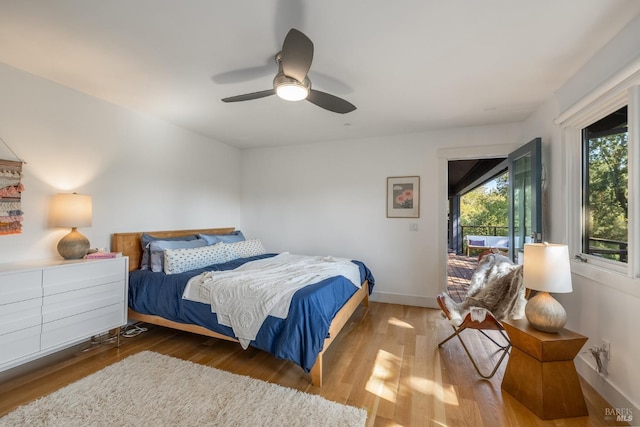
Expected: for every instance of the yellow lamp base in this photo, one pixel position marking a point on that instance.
(545, 313)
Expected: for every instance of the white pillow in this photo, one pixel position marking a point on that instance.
(244, 249)
(180, 260)
(157, 247)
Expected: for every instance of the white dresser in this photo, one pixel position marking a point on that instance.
(46, 306)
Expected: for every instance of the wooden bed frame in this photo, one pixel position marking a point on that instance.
(130, 245)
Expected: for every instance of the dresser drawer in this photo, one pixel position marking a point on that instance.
(75, 328)
(20, 315)
(20, 286)
(78, 276)
(19, 344)
(66, 304)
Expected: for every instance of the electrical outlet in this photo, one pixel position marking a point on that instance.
(413, 227)
(601, 355)
(606, 347)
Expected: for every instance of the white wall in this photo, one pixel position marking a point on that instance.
(142, 173)
(330, 199)
(619, 57)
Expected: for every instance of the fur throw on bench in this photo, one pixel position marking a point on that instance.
(496, 286)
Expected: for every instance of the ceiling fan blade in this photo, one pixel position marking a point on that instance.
(250, 96)
(297, 54)
(330, 102)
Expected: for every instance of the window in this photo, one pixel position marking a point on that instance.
(601, 206)
(606, 187)
(602, 157)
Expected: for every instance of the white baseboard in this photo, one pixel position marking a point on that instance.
(418, 301)
(609, 392)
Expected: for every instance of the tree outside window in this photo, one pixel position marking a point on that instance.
(485, 210)
(605, 187)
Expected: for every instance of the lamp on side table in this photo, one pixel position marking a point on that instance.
(546, 269)
(72, 210)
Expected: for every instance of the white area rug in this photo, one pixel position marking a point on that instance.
(150, 389)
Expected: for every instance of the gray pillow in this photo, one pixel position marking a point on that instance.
(145, 239)
(212, 239)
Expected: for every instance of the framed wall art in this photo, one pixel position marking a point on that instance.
(403, 197)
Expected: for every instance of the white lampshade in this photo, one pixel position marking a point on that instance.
(546, 267)
(71, 210)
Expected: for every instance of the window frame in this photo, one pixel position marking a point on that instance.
(625, 277)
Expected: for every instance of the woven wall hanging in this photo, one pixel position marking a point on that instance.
(11, 189)
(10, 194)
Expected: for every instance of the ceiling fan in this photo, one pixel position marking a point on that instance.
(292, 83)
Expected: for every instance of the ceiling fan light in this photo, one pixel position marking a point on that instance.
(292, 91)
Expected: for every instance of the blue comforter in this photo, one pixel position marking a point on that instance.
(299, 338)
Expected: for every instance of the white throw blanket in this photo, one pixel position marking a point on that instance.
(243, 298)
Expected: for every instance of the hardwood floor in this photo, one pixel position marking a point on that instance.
(385, 360)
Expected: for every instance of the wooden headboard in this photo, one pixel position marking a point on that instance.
(130, 244)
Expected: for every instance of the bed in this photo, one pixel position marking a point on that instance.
(317, 313)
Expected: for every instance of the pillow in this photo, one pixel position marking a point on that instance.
(244, 249)
(146, 239)
(211, 239)
(157, 247)
(180, 260)
(476, 242)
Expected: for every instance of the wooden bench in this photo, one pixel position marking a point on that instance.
(486, 242)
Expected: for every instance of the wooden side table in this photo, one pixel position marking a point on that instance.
(541, 374)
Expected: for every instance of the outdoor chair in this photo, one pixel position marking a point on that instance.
(496, 292)
(488, 323)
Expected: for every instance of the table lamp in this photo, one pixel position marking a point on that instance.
(72, 210)
(546, 269)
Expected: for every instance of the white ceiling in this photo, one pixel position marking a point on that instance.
(409, 66)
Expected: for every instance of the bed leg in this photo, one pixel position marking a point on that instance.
(316, 372)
